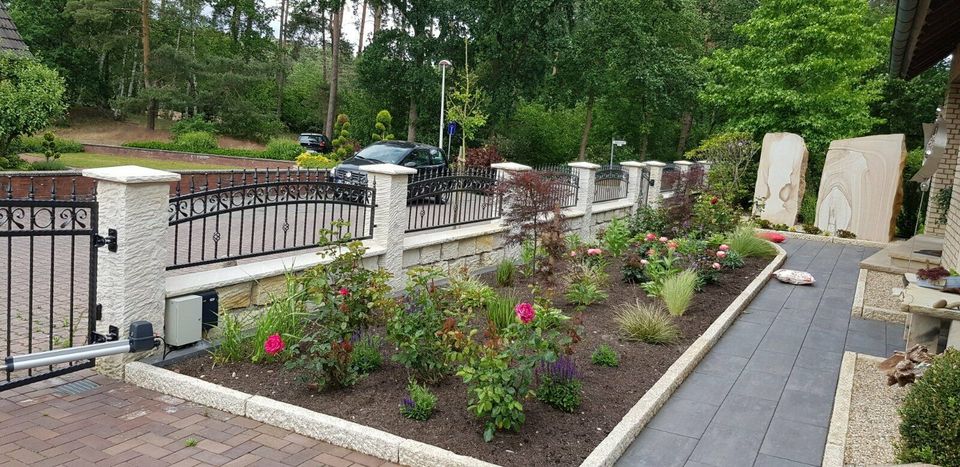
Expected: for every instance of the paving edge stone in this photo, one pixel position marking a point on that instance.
(316, 425)
(619, 439)
(833, 452)
(857, 309)
(830, 239)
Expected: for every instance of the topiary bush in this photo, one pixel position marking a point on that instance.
(192, 124)
(196, 141)
(282, 149)
(930, 415)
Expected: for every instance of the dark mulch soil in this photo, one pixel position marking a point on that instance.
(549, 437)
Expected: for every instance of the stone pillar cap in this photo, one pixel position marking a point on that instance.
(633, 164)
(388, 169)
(655, 163)
(584, 165)
(683, 162)
(511, 166)
(131, 174)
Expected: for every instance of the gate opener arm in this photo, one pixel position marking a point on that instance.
(141, 339)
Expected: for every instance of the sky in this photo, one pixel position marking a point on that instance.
(351, 20)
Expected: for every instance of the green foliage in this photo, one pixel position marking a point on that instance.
(801, 68)
(192, 124)
(712, 215)
(539, 135)
(732, 260)
(284, 316)
(942, 200)
(616, 237)
(745, 242)
(49, 145)
(808, 208)
(506, 270)
(414, 328)
(343, 144)
(305, 95)
(811, 229)
(196, 141)
(282, 149)
(912, 197)
(647, 323)
(500, 311)
(467, 103)
(846, 234)
(48, 165)
(604, 355)
(558, 384)
(246, 119)
(733, 170)
(419, 405)
(930, 415)
(383, 127)
(234, 346)
(315, 161)
(678, 290)
(648, 220)
(366, 356)
(584, 291)
(30, 96)
(35, 145)
(470, 293)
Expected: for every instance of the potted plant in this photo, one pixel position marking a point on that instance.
(938, 277)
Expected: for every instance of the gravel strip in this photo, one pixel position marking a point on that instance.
(874, 421)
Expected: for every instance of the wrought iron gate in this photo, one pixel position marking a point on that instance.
(48, 271)
(643, 194)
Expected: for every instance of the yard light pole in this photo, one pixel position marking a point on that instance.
(443, 88)
(613, 144)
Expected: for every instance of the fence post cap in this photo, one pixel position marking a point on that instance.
(633, 164)
(655, 164)
(683, 162)
(584, 165)
(130, 174)
(388, 169)
(511, 166)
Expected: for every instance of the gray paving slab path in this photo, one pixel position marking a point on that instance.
(763, 395)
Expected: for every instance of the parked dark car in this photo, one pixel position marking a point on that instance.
(315, 142)
(429, 161)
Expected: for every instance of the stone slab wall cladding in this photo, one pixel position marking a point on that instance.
(948, 178)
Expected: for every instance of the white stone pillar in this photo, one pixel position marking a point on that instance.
(390, 216)
(130, 281)
(654, 198)
(635, 182)
(588, 179)
(683, 166)
(706, 166)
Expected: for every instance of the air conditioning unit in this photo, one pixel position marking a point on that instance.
(182, 320)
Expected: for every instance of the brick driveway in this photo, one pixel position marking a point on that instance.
(119, 424)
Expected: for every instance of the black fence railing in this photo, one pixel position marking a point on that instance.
(670, 178)
(223, 216)
(611, 184)
(446, 197)
(48, 266)
(564, 182)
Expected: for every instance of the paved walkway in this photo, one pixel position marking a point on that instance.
(764, 394)
(94, 420)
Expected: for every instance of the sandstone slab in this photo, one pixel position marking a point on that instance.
(861, 189)
(780, 177)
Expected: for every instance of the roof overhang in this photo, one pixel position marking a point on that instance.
(925, 33)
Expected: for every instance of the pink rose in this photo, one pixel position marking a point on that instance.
(644, 262)
(664, 239)
(724, 247)
(524, 312)
(594, 251)
(715, 266)
(672, 245)
(721, 254)
(344, 291)
(651, 237)
(573, 253)
(650, 252)
(274, 345)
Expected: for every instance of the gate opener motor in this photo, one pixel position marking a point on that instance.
(141, 339)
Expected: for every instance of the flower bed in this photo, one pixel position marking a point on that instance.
(549, 436)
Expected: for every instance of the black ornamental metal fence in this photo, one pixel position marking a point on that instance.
(611, 184)
(446, 197)
(565, 184)
(224, 216)
(48, 266)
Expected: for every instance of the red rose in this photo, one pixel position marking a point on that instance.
(714, 200)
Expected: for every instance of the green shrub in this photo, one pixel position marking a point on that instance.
(282, 149)
(585, 292)
(732, 260)
(559, 384)
(414, 329)
(469, 293)
(616, 237)
(808, 208)
(285, 316)
(234, 346)
(649, 220)
(678, 291)
(811, 229)
(647, 323)
(505, 273)
(366, 353)
(35, 144)
(48, 165)
(192, 124)
(605, 356)
(930, 415)
(196, 141)
(500, 311)
(419, 405)
(744, 241)
(315, 161)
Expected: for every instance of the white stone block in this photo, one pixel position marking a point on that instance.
(186, 387)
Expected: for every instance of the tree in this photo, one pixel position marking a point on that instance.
(343, 144)
(335, 30)
(800, 69)
(382, 126)
(467, 105)
(30, 95)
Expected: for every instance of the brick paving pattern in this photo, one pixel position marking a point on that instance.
(763, 395)
(119, 424)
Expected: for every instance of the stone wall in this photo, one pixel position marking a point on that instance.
(951, 243)
(946, 170)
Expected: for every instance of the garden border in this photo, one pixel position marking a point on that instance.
(613, 446)
(834, 451)
(393, 448)
(828, 239)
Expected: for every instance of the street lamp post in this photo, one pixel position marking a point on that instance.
(443, 89)
(615, 143)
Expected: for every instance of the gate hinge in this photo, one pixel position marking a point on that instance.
(110, 241)
(113, 333)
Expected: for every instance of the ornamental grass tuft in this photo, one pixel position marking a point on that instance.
(647, 323)
(744, 241)
(678, 291)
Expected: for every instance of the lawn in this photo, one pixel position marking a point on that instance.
(83, 160)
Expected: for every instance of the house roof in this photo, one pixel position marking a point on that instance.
(925, 33)
(10, 39)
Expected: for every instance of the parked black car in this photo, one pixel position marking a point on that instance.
(429, 161)
(315, 142)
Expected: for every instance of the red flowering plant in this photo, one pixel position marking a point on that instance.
(419, 326)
